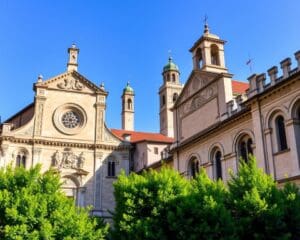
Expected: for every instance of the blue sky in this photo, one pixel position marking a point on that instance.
(129, 40)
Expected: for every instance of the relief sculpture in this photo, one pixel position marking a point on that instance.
(68, 159)
(70, 84)
(198, 100)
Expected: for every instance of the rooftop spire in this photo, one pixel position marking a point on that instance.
(206, 28)
(73, 55)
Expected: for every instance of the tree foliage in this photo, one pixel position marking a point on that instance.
(165, 205)
(32, 206)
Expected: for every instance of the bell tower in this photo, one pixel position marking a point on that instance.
(168, 94)
(208, 53)
(128, 108)
(73, 55)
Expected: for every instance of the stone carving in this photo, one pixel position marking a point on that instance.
(73, 84)
(198, 100)
(68, 159)
(39, 116)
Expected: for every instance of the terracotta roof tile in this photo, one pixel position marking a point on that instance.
(239, 87)
(142, 136)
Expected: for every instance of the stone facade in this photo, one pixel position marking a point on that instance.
(215, 126)
(65, 129)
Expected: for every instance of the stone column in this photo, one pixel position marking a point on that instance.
(259, 142)
(100, 106)
(292, 145)
(39, 112)
(269, 146)
(36, 155)
(4, 150)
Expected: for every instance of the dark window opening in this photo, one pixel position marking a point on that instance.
(218, 165)
(214, 55)
(194, 167)
(111, 171)
(281, 135)
(175, 96)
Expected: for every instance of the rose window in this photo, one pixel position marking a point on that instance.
(70, 119)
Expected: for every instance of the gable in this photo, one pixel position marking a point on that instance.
(196, 81)
(71, 81)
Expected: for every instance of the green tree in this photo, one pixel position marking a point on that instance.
(261, 210)
(202, 214)
(32, 206)
(143, 203)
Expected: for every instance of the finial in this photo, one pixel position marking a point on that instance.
(102, 86)
(170, 55)
(73, 45)
(40, 78)
(128, 83)
(206, 29)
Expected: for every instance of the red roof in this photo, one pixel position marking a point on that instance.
(142, 136)
(239, 87)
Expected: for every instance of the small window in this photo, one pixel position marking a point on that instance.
(193, 167)
(281, 135)
(163, 100)
(168, 77)
(245, 148)
(175, 96)
(214, 54)
(156, 150)
(199, 58)
(173, 77)
(218, 165)
(21, 160)
(129, 104)
(111, 168)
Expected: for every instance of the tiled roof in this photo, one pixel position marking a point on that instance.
(239, 87)
(142, 136)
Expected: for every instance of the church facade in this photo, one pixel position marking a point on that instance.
(65, 129)
(212, 121)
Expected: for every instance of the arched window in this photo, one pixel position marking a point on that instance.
(193, 168)
(111, 167)
(280, 131)
(214, 55)
(245, 148)
(215, 157)
(175, 96)
(129, 104)
(21, 159)
(168, 77)
(218, 165)
(199, 58)
(173, 77)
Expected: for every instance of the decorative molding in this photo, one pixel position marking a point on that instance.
(39, 116)
(68, 159)
(70, 84)
(65, 144)
(198, 100)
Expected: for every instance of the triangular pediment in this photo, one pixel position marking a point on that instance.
(196, 81)
(71, 81)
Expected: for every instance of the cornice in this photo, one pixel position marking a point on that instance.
(64, 144)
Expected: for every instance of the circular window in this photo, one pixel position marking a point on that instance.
(69, 118)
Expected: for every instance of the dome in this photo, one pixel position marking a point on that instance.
(128, 89)
(170, 66)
